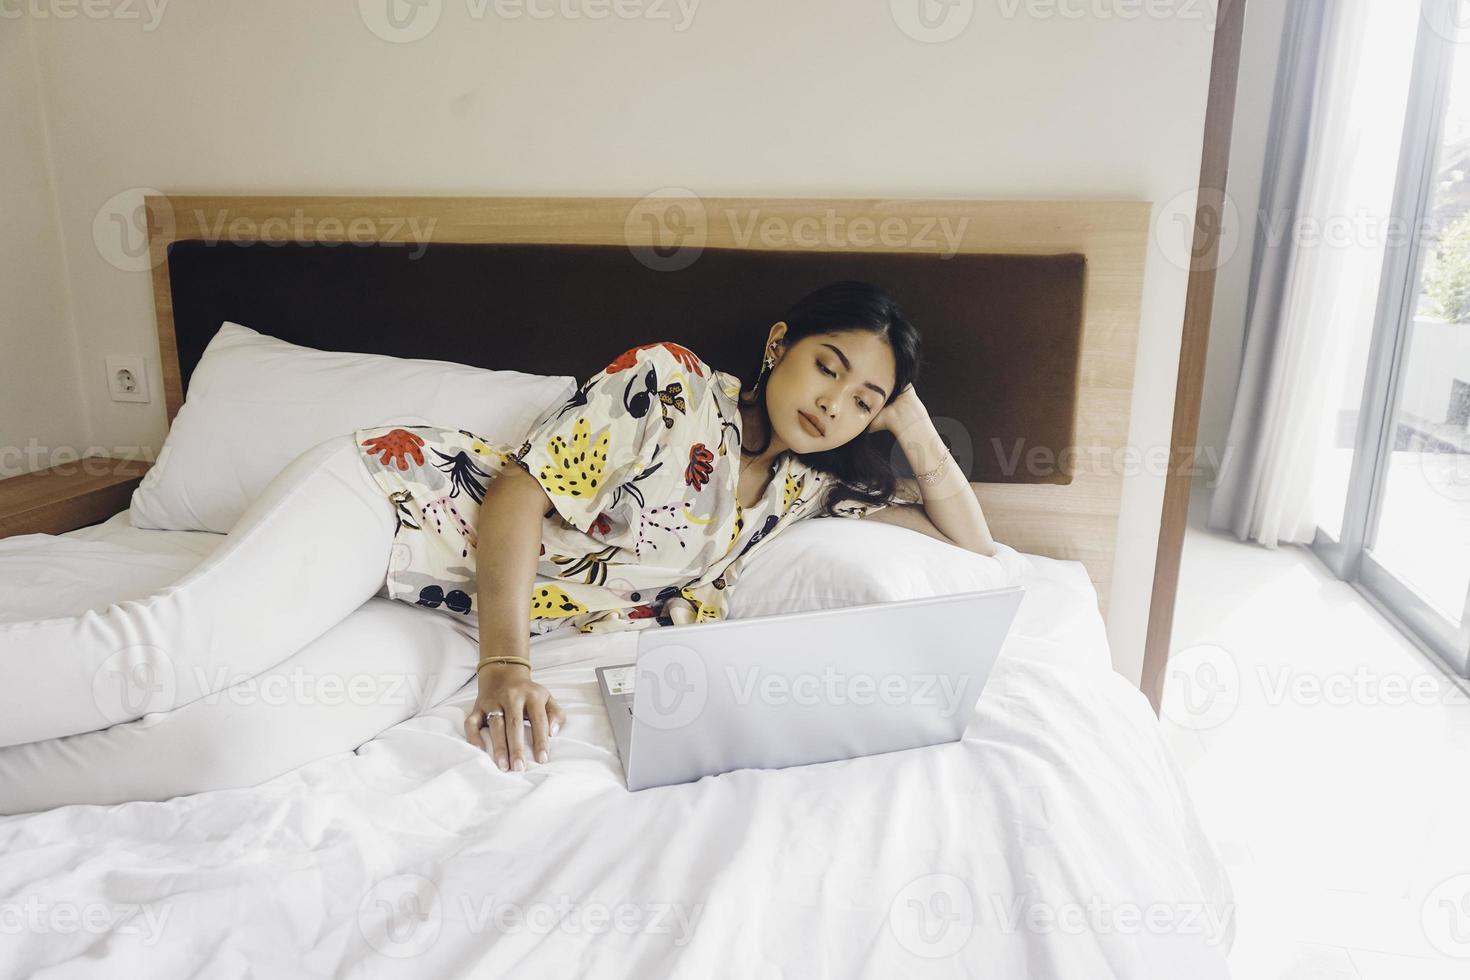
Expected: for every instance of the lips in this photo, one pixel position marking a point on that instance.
(813, 423)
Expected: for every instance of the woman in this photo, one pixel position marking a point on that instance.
(636, 501)
(631, 505)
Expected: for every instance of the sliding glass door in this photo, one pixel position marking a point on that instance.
(1402, 478)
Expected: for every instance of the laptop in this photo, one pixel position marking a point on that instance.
(804, 687)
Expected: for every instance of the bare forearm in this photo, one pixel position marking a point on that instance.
(949, 502)
(509, 541)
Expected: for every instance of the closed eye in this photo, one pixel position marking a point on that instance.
(862, 404)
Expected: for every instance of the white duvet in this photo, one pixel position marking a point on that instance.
(1055, 839)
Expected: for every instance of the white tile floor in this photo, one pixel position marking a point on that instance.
(1330, 761)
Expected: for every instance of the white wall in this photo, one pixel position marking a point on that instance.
(43, 417)
(761, 97)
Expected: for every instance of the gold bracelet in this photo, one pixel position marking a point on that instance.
(933, 475)
(487, 661)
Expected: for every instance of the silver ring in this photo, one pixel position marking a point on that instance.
(497, 713)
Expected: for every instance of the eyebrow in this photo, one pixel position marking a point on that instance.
(847, 366)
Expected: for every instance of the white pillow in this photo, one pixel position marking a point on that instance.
(256, 402)
(832, 562)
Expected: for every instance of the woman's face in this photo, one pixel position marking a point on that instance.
(838, 380)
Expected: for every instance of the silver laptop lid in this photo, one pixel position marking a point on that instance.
(806, 687)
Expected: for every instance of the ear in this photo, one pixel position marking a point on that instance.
(777, 335)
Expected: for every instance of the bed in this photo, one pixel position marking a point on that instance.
(1056, 839)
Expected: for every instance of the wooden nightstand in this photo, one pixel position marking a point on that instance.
(68, 496)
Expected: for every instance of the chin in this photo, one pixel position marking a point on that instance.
(799, 441)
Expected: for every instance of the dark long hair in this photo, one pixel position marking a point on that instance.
(862, 470)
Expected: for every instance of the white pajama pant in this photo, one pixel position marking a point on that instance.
(309, 551)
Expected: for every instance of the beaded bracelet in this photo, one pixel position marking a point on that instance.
(487, 661)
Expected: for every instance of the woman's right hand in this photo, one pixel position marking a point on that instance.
(508, 688)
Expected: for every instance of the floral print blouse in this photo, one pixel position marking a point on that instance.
(641, 465)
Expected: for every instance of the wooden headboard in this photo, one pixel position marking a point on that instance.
(1028, 309)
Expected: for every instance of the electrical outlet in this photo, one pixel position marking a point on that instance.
(127, 381)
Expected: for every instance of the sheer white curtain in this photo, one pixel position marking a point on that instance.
(1323, 223)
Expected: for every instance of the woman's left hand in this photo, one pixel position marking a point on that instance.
(897, 414)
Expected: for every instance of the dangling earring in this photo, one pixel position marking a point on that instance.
(766, 366)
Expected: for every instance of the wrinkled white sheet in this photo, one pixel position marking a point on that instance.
(1055, 839)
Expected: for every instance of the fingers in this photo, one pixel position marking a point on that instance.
(473, 723)
(503, 736)
(496, 727)
(536, 711)
(515, 731)
(557, 716)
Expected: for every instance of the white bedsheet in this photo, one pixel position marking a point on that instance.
(1055, 839)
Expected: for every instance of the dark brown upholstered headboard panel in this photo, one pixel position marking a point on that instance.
(1030, 325)
(998, 329)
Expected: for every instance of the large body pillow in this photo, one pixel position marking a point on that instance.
(256, 402)
(832, 563)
